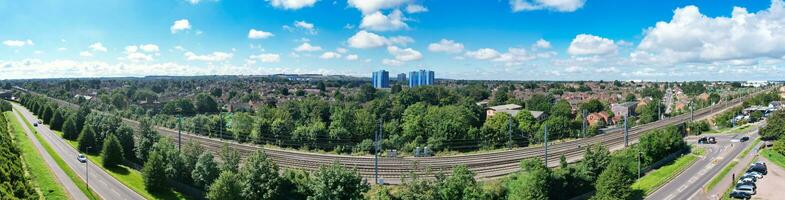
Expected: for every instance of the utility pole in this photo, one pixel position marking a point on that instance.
(179, 132)
(659, 110)
(378, 147)
(546, 145)
(583, 128)
(220, 126)
(691, 113)
(509, 131)
(626, 137)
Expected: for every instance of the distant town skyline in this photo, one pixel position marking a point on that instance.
(475, 40)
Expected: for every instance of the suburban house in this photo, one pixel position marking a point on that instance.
(597, 117)
(776, 104)
(513, 110)
(623, 109)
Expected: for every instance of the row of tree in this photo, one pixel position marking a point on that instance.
(14, 178)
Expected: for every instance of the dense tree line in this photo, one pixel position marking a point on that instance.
(14, 180)
(5, 106)
(775, 127)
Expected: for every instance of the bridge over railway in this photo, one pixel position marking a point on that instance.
(488, 165)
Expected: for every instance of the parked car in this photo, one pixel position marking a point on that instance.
(742, 183)
(749, 178)
(757, 175)
(758, 169)
(81, 158)
(739, 195)
(746, 188)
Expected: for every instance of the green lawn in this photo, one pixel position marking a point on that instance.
(658, 177)
(128, 176)
(60, 162)
(43, 178)
(776, 158)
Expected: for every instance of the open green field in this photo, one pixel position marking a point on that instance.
(43, 178)
(60, 162)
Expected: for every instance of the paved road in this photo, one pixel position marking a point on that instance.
(689, 184)
(62, 177)
(102, 183)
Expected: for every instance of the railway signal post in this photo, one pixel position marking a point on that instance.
(626, 137)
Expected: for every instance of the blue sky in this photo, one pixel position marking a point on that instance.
(465, 39)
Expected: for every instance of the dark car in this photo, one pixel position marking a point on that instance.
(712, 140)
(744, 139)
(703, 140)
(35, 124)
(758, 168)
(740, 195)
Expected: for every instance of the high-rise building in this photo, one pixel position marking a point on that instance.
(401, 77)
(380, 79)
(421, 77)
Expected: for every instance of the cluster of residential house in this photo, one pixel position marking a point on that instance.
(601, 118)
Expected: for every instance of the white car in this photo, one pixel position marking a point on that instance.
(756, 174)
(81, 158)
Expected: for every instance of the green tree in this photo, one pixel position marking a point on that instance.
(242, 125)
(205, 104)
(154, 173)
(190, 155)
(336, 182)
(259, 178)
(56, 123)
(532, 182)
(225, 187)
(112, 152)
(230, 158)
(615, 182)
(81, 118)
(592, 106)
(630, 97)
(70, 128)
(119, 101)
(125, 135)
(459, 185)
(396, 89)
(495, 132)
(48, 112)
(539, 102)
(562, 108)
(175, 168)
(775, 128)
(87, 141)
(205, 171)
(147, 137)
(595, 159)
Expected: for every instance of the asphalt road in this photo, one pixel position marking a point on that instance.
(689, 184)
(62, 177)
(102, 183)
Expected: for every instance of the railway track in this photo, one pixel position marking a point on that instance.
(488, 165)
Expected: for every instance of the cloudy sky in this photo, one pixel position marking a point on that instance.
(465, 39)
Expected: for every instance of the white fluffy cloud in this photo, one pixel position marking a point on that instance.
(371, 6)
(446, 46)
(85, 54)
(691, 36)
(307, 47)
(267, 57)
(180, 25)
(377, 21)
(133, 53)
(414, 8)
(292, 4)
(405, 55)
(213, 57)
(555, 5)
(392, 62)
(98, 47)
(330, 55)
(364, 40)
(587, 45)
(150, 48)
(542, 44)
(352, 57)
(17, 43)
(483, 54)
(258, 34)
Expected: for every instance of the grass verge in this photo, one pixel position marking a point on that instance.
(60, 162)
(657, 178)
(41, 175)
(773, 156)
(128, 176)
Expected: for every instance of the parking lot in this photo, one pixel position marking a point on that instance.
(771, 186)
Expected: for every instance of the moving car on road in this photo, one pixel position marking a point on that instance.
(35, 124)
(81, 158)
(744, 139)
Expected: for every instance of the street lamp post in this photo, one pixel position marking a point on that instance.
(87, 170)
